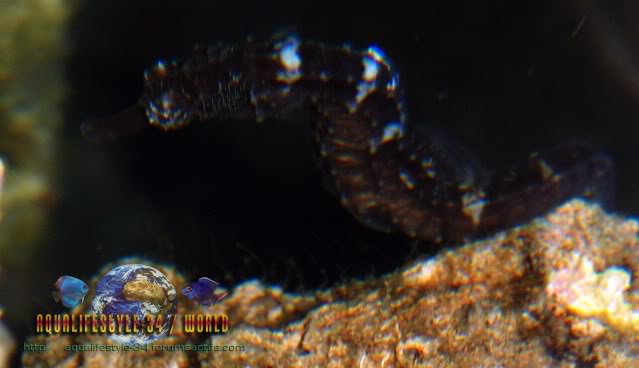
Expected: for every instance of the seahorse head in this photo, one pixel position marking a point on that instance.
(166, 104)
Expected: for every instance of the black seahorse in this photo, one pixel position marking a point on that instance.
(390, 175)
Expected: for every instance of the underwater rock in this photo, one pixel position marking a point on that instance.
(559, 291)
(488, 303)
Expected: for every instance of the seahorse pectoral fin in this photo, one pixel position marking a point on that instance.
(109, 128)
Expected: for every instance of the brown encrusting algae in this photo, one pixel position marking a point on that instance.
(557, 292)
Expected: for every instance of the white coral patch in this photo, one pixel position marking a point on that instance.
(591, 294)
(422, 273)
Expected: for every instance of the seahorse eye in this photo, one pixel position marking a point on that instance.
(166, 112)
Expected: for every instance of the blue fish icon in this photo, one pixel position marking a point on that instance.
(71, 291)
(203, 291)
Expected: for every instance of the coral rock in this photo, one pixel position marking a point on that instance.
(555, 292)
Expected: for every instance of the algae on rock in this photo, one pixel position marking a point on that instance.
(496, 302)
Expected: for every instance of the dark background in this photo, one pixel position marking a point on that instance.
(234, 200)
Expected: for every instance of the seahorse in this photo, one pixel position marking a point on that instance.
(391, 175)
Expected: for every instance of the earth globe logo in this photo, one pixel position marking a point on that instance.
(137, 291)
